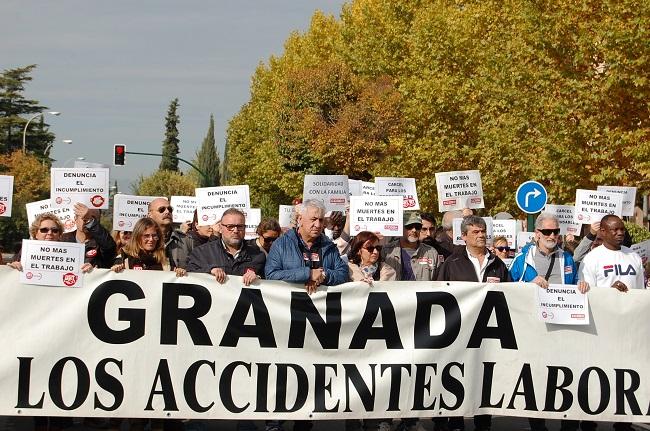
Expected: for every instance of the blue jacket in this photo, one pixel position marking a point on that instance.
(523, 266)
(286, 261)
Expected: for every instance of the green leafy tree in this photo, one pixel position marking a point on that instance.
(207, 160)
(164, 183)
(170, 149)
(15, 111)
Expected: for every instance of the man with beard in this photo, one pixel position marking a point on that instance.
(543, 262)
(231, 255)
(411, 259)
(161, 212)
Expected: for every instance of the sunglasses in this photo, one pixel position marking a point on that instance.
(268, 239)
(49, 229)
(548, 232)
(233, 227)
(371, 249)
(162, 209)
(150, 236)
(502, 248)
(413, 226)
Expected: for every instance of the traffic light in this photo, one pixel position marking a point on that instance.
(118, 155)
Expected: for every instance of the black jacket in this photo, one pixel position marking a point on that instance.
(458, 267)
(213, 255)
(100, 246)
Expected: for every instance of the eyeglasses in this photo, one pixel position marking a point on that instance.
(162, 209)
(371, 249)
(49, 229)
(268, 239)
(234, 227)
(148, 236)
(502, 248)
(548, 232)
(413, 226)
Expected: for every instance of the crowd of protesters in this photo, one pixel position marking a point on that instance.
(318, 250)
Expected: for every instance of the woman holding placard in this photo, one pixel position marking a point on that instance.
(45, 227)
(145, 250)
(364, 260)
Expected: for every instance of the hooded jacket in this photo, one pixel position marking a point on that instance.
(523, 265)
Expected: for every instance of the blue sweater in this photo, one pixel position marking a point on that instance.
(286, 261)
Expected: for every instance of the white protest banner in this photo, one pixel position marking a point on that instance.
(87, 186)
(213, 201)
(65, 214)
(184, 207)
(507, 229)
(563, 305)
(128, 209)
(459, 189)
(642, 249)
(368, 188)
(355, 187)
(249, 352)
(629, 197)
(6, 194)
(383, 214)
(456, 232)
(405, 187)
(253, 219)
(284, 215)
(524, 238)
(566, 217)
(52, 263)
(332, 190)
(592, 205)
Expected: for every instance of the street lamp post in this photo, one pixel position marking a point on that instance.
(46, 153)
(40, 114)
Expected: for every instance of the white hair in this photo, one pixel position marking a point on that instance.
(311, 203)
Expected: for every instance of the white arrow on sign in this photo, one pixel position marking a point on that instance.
(535, 194)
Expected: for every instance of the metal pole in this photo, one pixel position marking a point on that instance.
(205, 177)
(25, 131)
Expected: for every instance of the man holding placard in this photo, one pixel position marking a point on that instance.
(161, 212)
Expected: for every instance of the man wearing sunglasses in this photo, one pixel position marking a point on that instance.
(161, 212)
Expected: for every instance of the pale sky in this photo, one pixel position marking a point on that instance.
(112, 67)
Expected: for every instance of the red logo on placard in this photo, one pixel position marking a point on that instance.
(409, 202)
(337, 200)
(97, 201)
(205, 217)
(29, 275)
(138, 267)
(69, 279)
(3, 208)
(391, 227)
(120, 223)
(449, 202)
(91, 253)
(69, 224)
(59, 200)
(475, 200)
(577, 316)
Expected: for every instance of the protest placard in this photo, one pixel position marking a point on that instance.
(629, 197)
(284, 215)
(368, 188)
(456, 232)
(253, 219)
(332, 190)
(6, 194)
(593, 205)
(566, 217)
(52, 263)
(184, 207)
(405, 187)
(383, 214)
(128, 209)
(459, 189)
(87, 186)
(643, 250)
(524, 238)
(355, 187)
(65, 214)
(507, 229)
(563, 305)
(213, 201)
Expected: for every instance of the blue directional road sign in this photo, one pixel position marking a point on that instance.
(531, 197)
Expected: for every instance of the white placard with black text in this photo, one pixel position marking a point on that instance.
(593, 205)
(459, 189)
(253, 219)
(405, 187)
(52, 263)
(6, 194)
(65, 214)
(566, 217)
(629, 197)
(331, 190)
(184, 207)
(284, 215)
(128, 209)
(507, 229)
(456, 232)
(87, 186)
(213, 201)
(563, 305)
(383, 214)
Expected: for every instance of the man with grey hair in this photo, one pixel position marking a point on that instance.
(543, 262)
(304, 254)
